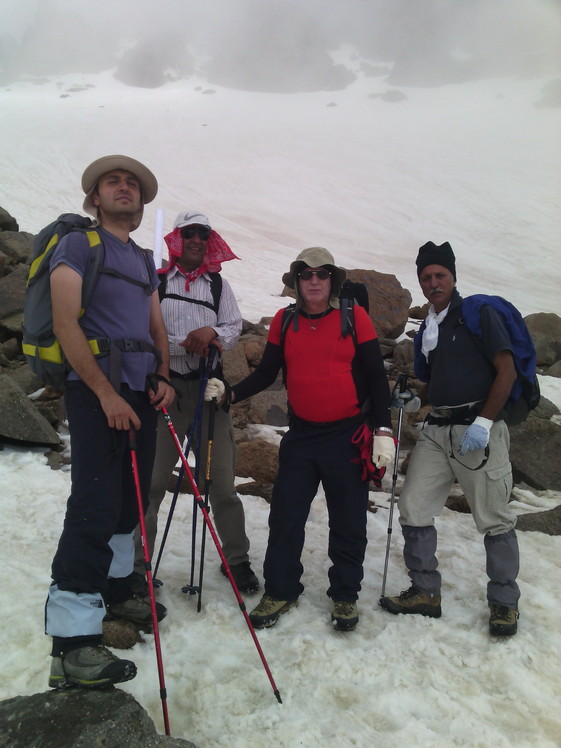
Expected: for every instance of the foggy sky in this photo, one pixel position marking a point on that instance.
(279, 45)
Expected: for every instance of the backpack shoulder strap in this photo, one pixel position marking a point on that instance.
(288, 315)
(93, 267)
(216, 289)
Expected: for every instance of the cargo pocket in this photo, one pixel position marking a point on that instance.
(500, 483)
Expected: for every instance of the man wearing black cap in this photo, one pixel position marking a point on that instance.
(464, 438)
(105, 397)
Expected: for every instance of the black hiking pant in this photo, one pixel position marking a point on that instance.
(309, 455)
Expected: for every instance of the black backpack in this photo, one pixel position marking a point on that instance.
(215, 290)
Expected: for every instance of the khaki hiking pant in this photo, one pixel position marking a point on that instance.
(486, 480)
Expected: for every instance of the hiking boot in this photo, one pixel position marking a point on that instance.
(413, 600)
(89, 667)
(503, 620)
(136, 609)
(344, 615)
(267, 613)
(138, 584)
(245, 579)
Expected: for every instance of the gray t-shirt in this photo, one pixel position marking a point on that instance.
(118, 309)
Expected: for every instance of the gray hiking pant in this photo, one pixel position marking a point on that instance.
(486, 482)
(227, 508)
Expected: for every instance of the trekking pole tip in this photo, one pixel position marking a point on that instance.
(277, 694)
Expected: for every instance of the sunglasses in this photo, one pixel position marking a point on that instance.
(307, 274)
(188, 232)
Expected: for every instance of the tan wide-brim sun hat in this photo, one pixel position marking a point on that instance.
(313, 257)
(93, 173)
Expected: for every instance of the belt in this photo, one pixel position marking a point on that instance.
(455, 415)
(189, 377)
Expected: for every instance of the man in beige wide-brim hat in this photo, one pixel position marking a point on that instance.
(106, 396)
(106, 164)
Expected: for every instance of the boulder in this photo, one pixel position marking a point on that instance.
(78, 718)
(7, 222)
(548, 521)
(258, 459)
(17, 246)
(20, 421)
(535, 446)
(545, 330)
(12, 294)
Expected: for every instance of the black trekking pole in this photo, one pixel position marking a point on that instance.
(400, 386)
(210, 440)
(148, 568)
(192, 588)
(214, 536)
(195, 426)
(176, 491)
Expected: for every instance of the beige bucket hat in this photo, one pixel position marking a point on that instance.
(93, 172)
(313, 257)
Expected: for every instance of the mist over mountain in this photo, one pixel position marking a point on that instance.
(281, 46)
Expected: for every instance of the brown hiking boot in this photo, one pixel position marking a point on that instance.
(413, 600)
(344, 615)
(502, 620)
(267, 613)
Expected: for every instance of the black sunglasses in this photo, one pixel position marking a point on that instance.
(188, 232)
(308, 274)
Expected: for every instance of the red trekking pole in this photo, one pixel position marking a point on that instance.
(149, 580)
(208, 522)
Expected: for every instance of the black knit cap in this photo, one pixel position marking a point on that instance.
(432, 254)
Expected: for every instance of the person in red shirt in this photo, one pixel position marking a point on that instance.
(336, 385)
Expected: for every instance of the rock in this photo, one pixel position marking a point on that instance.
(235, 364)
(269, 407)
(12, 293)
(120, 634)
(258, 459)
(17, 245)
(78, 718)
(263, 490)
(7, 222)
(548, 522)
(389, 301)
(253, 345)
(403, 353)
(20, 420)
(555, 370)
(535, 446)
(545, 330)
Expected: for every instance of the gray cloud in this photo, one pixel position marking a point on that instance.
(280, 45)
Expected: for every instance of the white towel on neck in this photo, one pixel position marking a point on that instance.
(430, 334)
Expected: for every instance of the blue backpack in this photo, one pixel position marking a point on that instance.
(525, 393)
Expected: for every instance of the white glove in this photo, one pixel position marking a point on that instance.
(215, 390)
(383, 450)
(476, 436)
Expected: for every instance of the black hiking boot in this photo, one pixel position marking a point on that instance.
(344, 616)
(503, 621)
(89, 667)
(245, 579)
(136, 609)
(413, 600)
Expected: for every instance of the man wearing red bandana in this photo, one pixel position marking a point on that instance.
(195, 320)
